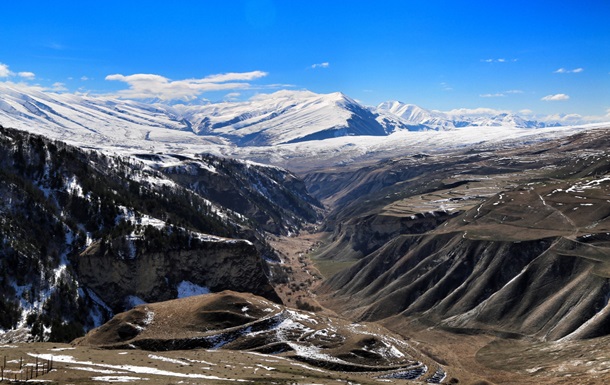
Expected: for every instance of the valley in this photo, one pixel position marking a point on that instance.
(381, 257)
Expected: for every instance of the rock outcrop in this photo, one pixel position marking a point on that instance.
(154, 276)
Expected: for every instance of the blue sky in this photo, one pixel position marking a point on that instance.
(549, 57)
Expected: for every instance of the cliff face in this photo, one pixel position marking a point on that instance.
(154, 276)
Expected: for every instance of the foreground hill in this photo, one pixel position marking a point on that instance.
(513, 243)
(239, 321)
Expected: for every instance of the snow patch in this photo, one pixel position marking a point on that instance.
(118, 379)
(189, 289)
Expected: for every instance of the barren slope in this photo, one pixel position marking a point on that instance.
(522, 248)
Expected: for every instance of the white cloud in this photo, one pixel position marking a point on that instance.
(233, 77)
(565, 118)
(501, 94)
(526, 112)
(576, 119)
(59, 87)
(144, 86)
(232, 96)
(475, 111)
(556, 97)
(565, 71)
(321, 65)
(499, 60)
(26, 75)
(283, 94)
(446, 87)
(84, 78)
(4, 71)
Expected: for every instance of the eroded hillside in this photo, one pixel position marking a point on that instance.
(511, 242)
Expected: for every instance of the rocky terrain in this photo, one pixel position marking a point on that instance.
(511, 243)
(236, 321)
(87, 234)
(465, 263)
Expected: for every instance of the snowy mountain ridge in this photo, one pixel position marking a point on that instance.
(437, 120)
(283, 117)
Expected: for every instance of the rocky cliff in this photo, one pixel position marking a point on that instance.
(156, 275)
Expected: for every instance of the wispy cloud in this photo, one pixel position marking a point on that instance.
(499, 60)
(446, 87)
(84, 78)
(321, 65)
(26, 75)
(55, 45)
(475, 111)
(555, 97)
(232, 77)
(566, 71)
(232, 96)
(501, 94)
(59, 87)
(145, 86)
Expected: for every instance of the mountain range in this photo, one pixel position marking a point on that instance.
(473, 236)
(283, 117)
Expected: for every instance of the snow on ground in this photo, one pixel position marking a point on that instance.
(167, 359)
(188, 289)
(129, 368)
(133, 301)
(129, 128)
(580, 187)
(96, 311)
(118, 378)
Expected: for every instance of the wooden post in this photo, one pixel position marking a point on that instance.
(20, 363)
(37, 366)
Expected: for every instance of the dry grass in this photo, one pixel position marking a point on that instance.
(95, 366)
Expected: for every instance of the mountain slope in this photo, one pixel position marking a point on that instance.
(425, 119)
(285, 117)
(239, 321)
(282, 118)
(513, 243)
(85, 234)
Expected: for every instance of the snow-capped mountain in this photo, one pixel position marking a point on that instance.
(421, 118)
(299, 130)
(282, 117)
